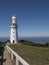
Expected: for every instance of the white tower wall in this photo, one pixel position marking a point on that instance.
(13, 33)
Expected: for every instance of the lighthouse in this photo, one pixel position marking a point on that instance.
(13, 31)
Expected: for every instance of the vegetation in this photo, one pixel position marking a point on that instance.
(2, 43)
(34, 55)
(24, 42)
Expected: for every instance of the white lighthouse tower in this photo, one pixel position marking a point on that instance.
(13, 32)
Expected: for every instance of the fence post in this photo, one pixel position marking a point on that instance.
(17, 61)
(12, 55)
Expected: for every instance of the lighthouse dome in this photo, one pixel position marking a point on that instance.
(13, 17)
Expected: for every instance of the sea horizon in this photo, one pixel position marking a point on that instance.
(41, 40)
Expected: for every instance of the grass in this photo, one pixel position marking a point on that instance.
(2, 44)
(33, 55)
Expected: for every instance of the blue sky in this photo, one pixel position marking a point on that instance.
(32, 17)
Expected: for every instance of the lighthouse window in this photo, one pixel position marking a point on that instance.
(14, 24)
(13, 36)
(13, 32)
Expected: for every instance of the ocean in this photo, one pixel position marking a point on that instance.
(32, 39)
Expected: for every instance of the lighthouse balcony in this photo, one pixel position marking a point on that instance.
(13, 25)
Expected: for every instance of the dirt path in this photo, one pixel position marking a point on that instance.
(6, 57)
